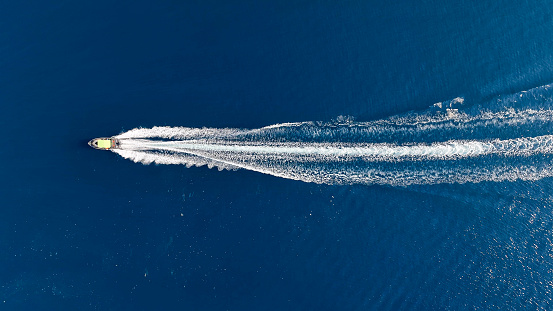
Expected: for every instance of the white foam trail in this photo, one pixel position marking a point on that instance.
(372, 152)
(447, 144)
(335, 163)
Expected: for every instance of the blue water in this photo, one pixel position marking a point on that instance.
(88, 230)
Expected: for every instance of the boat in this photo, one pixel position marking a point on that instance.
(104, 143)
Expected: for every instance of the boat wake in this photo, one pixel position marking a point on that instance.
(504, 139)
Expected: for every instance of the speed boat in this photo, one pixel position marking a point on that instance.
(104, 143)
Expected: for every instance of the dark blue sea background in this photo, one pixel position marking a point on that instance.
(82, 229)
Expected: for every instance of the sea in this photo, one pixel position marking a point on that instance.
(85, 229)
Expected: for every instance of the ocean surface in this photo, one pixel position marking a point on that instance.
(82, 229)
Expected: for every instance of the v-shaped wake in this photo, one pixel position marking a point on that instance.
(506, 139)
